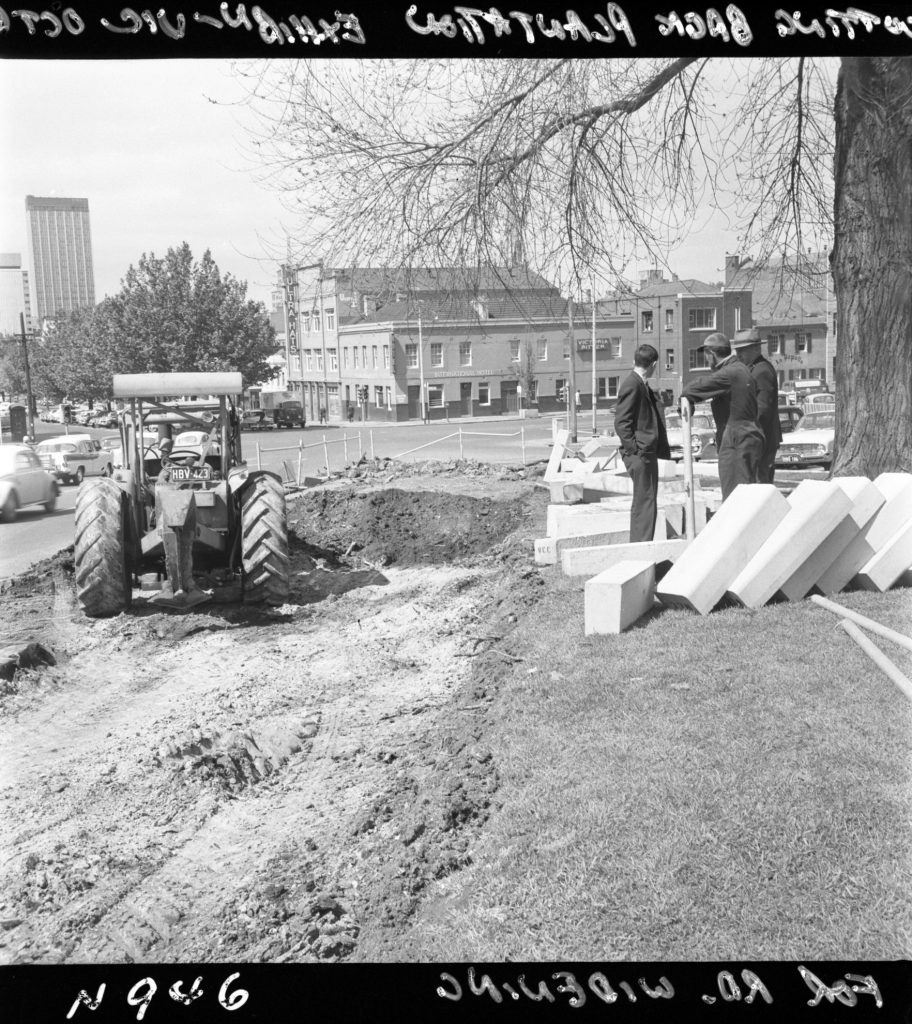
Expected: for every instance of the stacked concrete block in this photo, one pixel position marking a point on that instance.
(589, 561)
(617, 597)
(712, 560)
(597, 485)
(570, 520)
(893, 514)
(866, 500)
(548, 550)
(815, 510)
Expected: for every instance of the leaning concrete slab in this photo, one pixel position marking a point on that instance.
(866, 500)
(561, 439)
(567, 520)
(712, 560)
(589, 561)
(894, 513)
(890, 563)
(598, 484)
(619, 596)
(816, 508)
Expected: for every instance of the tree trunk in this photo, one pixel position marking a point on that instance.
(872, 266)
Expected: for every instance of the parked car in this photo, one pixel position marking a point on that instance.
(253, 419)
(789, 418)
(75, 456)
(811, 444)
(24, 481)
(821, 402)
(112, 445)
(197, 441)
(702, 436)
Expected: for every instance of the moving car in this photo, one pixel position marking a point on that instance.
(24, 481)
(289, 414)
(702, 436)
(75, 456)
(811, 444)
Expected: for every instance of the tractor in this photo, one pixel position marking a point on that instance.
(185, 504)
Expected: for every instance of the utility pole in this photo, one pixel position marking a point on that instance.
(571, 393)
(594, 377)
(29, 399)
(421, 367)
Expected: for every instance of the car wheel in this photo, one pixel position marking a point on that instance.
(8, 510)
(51, 503)
(80, 473)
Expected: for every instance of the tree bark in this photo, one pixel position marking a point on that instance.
(872, 266)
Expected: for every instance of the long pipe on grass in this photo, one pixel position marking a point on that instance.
(874, 627)
(878, 657)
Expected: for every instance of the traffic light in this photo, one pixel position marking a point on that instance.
(362, 394)
(562, 393)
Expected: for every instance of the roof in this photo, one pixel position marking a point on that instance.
(390, 280)
(786, 289)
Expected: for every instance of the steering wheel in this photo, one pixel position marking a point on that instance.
(185, 457)
(150, 452)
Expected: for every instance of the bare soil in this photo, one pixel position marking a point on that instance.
(237, 784)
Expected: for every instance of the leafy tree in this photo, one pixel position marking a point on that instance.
(585, 166)
(12, 367)
(172, 314)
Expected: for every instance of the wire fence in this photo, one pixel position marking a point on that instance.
(352, 449)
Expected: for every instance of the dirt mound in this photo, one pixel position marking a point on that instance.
(398, 527)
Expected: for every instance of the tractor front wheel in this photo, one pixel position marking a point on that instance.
(103, 584)
(264, 541)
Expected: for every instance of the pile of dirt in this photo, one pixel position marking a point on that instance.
(399, 527)
(385, 470)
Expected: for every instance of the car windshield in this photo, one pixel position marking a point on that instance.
(819, 421)
(696, 423)
(57, 446)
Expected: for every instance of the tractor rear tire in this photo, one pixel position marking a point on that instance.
(264, 542)
(103, 583)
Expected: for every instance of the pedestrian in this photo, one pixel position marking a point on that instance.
(322, 414)
(639, 422)
(578, 401)
(351, 412)
(747, 348)
(732, 392)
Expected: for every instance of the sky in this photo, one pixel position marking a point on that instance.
(157, 148)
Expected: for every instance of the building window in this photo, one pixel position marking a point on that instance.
(737, 318)
(295, 363)
(308, 358)
(345, 358)
(374, 362)
(330, 319)
(613, 387)
(305, 322)
(669, 358)
(378, 395)
(542, 346)
(697, 358)
(703, 318)
(386, 357)
(514, 350)
(315, 319)
(355, 357)
(411, 355)
(389, 397)
(333, 359)
(646, 321)
(533, 391)
(319, 354)
(437, 354)
(615, 348)
(780, 374)
(465, 353)
(435, 396)
(803, 343)
(484, 394)
(777, 344)
(364, 356)
(669, 319)
(600, 388)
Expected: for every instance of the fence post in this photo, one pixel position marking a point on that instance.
(345, 447)
(522, 442)
(461, 456)
(372, 445)
(360, 453)
(259, 465)
(326, 454)
(300, 457)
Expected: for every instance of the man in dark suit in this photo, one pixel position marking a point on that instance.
(639, 422)
(747, 348)
(732, 392)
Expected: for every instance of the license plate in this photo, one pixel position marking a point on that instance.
(793, 458)
(180, 473)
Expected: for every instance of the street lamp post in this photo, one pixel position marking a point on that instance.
(421, 368)
(29, 400)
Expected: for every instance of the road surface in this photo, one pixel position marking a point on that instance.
(36, 534)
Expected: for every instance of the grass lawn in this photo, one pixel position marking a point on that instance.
(735, 786)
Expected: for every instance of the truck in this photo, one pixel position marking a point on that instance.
(282, 409)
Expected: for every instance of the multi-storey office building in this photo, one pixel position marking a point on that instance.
(795, 311)
(60, 253)
(14, 294)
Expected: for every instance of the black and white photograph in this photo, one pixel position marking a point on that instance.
(456, 500)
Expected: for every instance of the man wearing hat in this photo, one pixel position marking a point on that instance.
(733, 392)
(747, 349)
